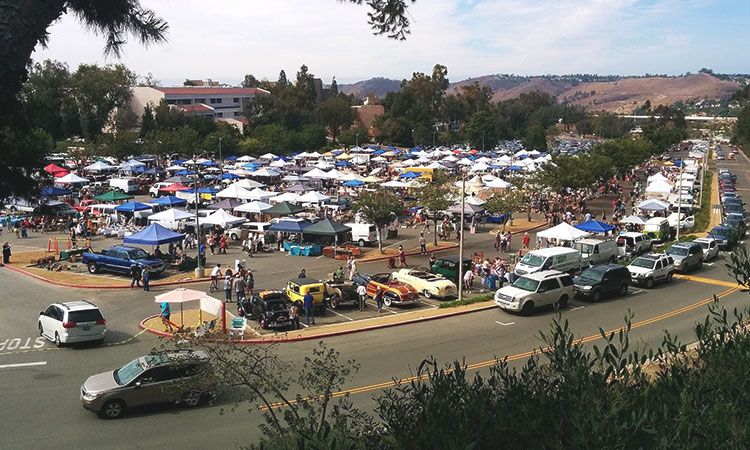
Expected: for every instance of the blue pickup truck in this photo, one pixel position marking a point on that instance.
(120, 259)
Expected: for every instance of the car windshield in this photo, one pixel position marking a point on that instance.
(128, 372)
(678, 251)
(585, 248)
(137, 253)
(592, 274)
(532, 260)
(644, 262)
(723, 232)
(527, 284)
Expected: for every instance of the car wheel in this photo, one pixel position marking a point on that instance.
(563, 302)
(335, 301)
(112, 409)
(191, 399)
(263, 324)
(596, 296)
(93, 268)
(153, 195)
(649, 283)
(669, 277)
(361, 242)
(387, 301)
(624, 289)
(528, 309)
(58, 342)
(427, 293)
(41, 330)
(234, 237)
(700, 264)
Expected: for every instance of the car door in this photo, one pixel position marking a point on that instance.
(149, 387)
(48, 321)
(548, 290)
(659, 272)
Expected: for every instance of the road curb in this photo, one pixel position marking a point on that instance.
(331, 334)
(84, 286)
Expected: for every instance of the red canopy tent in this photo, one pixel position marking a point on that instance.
(56, 170)
(174, 187)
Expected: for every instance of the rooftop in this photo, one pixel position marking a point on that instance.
(210, 90)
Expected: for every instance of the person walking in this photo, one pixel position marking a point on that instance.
(401, 257)
(215, 274)
(294, 316)
(211, 241)
(302, 274)
(362, 293)
(249, 282)
(6, 253)
(379, 299)
(308, 305)
(223, 244)
(228, 282)
(526, 240)
(422, 245)
(135, 276)
(145, 276)
(239, 287)
(165, 315)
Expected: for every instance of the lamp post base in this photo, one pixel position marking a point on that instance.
(200, 272)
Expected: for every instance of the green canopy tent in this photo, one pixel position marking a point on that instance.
(112, 196)
(283, 209)
(327, 228)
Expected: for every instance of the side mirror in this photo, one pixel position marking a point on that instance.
(41, 313)
(137, 384)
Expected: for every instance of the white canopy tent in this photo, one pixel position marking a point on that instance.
(236, 192)
(563, 232)
(70, 178)
(313, 197)
(252, 207)
(222, 218)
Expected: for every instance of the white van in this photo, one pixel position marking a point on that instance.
(103, 209)
(154, 189)
(365, 233)
(564, 259)
(126, 185)
(597, 251)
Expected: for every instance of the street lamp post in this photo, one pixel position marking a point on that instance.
(221, 160)
(433, 139)
(482, 140)
(356, 139)
(461, 240)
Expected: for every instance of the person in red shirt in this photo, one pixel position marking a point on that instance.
(526, 240)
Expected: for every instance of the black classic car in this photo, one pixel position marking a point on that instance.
(267, 307)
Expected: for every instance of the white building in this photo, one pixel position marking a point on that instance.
(217, 102)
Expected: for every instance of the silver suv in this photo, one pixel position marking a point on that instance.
(686, 255)
(528, 292)
(180, 376)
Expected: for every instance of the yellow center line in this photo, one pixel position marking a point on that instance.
(707, 280)
(492, 362)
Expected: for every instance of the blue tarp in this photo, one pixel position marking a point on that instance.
(184, 172)
(132, 207)
(230, 176)
(170, 201)
(289, 226)
(154, 234)
(231, 158)
(343, 164)
(353, 183)
(595, 226)
(53, 191)
(208, 164)
(208, 190)
(409, 175)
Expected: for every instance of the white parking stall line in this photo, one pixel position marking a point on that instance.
(429, 304)
(708, 264)
(384, 308)
(635, 291)
(304, 324)
(339, 314)
(577, 308)
(11, 366)
(505, 324)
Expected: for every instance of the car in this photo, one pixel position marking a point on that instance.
(685, 220)
(296, 290)
(605, 280)
(267, 307)
(180, 376)
(727, 237)
(710, 248)
(341, 293)
(120, 259)
(686, 256)
(72, 323)
(650, 269)
(242, 231)
(532, 291)
(429, 284)
(155, 190)
(727, 195)
(448, 267)
(736, 221)
(633, 243)
(734, 201)
(394, 292)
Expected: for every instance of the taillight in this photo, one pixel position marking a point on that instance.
(69, 324)
(101, 322)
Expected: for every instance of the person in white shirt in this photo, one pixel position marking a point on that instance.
(215, 274)
(362, 292)
(468, 280)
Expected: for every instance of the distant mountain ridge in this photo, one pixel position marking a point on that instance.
(595, 92)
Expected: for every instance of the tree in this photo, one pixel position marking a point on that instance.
(379, 207)
(742, 129)
(21, 153)
(250, 81)
(352, 136)
(334, 88)
(434, 196)
(584, 126)
(608, 125)
(282, 82)
(43, 98)
(189, 82)
(335, 113)
(508, 202)
(535, 138)
(148, 121)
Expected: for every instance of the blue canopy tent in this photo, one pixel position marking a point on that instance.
(353, 183)
(154, 234)
(409, 175)
(230, 176)
(208, 190)
(54, 191)
(208, 164)
(343, 164)
(515, 168)
(170, 200)
(132, 207)
(185, 172)
(231, 158)
(595, 226)
(289, 226)
(179, 161)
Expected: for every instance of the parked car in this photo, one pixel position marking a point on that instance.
(727, 237)
(685, 220)
(710, 248)
(658, 229)
(296, 290)
(120, 259)
(267, 307)
(564, 259)
(72, 323)
(340, 293)
(605, 280)
(394, 292)
(631, 243)
(448, 267)
(429, 284)
(736, 221)
(686, 256)
(154, 190)
(171, 377)
(596, 251)
(650, 269)
(529, 292)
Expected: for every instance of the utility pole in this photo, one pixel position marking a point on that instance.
(679, 200)
(199, 269)
(221, 160)
(482, 140)
(433, 139)
(461, 239)
(356, 139)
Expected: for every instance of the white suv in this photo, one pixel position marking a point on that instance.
(528, 292)
(72, 322)
(649, 269)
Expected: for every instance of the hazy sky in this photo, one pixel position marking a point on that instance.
(225, 39)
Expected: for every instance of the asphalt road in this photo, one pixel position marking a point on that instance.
(39, 405)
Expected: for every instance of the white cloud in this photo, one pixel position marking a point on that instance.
(224, 39)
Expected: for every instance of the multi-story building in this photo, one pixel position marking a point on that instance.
(217, 102)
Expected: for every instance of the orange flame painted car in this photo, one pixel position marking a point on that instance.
(394, 292)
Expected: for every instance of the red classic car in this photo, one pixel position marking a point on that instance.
(394, 291)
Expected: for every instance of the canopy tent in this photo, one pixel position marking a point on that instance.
(222, 218)
(395, 184)
(289, 226)
(634, 220)
(253, 207)
(71, 178)
(476, 201)
(54, 169)
(112, 196)
(53, 191)
(132, 207)
(353, 183)
(283, 209)
(154, 234)
(658, 187)
(227, 204)
(235, 191)
(178, 179)
(297, 188)
(657, 177)
(563, 232)
(181, 295)
(313, 197)
(468, 208)
(169, 200)
(498, 183)
(175, 187)
(326, 227)
(285, 197)
(653, 205)
(98, 166)
(595, 226)
(260, 194)
(171, 215)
